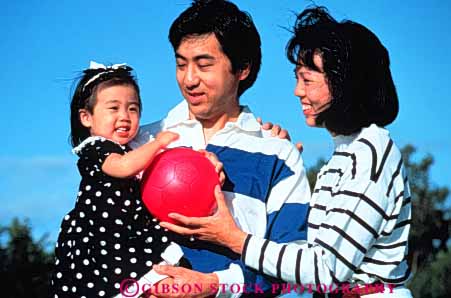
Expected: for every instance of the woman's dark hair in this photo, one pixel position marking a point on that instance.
(85, 95)
(356, 66)
(234, 29)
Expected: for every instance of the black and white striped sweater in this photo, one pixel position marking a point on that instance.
(358, 223)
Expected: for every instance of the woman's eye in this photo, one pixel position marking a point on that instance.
(306, 80)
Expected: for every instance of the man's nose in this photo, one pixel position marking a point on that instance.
(191, 77)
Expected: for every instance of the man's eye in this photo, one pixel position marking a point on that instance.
(113, 108)
(205, 65)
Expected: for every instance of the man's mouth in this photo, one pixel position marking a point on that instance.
(194, 97)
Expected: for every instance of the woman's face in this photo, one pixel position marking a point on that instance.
(313, 90)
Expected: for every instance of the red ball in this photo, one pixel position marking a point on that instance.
(179, 180)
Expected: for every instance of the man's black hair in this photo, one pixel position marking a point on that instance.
(233, 28)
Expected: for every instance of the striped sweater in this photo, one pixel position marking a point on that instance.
(359, 220)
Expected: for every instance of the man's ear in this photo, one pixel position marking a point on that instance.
(85, 117)
(244, 73)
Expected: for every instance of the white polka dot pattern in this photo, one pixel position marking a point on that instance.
(108, 236)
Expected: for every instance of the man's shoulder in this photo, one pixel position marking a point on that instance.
(274, 146)
(149, 131)
(146, 133)
(152, 128)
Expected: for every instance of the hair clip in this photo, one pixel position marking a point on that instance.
(95, 65)
(106, 69)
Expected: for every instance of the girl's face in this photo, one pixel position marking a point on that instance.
(115, 115)
(313, 90)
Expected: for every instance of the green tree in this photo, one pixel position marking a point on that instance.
(429, 255)
(433, 281)
(430, 224)
(313, 171)
(25, 266)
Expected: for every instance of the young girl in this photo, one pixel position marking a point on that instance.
(109, 236)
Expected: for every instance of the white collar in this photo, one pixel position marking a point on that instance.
(342, 141)
(91, 140)
(180, 115)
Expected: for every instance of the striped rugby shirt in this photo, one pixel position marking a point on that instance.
(266, 189)
(359, 220)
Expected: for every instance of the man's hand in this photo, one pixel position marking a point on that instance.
(216, 163)
(219, 228)
(184, 283)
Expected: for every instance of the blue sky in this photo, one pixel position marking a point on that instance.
(44, 45)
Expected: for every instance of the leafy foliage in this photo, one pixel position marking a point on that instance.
(25, 266)
(429, 215)
(433, 280)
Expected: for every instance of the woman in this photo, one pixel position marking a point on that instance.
(360, 209)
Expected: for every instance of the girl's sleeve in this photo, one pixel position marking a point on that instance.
(93, 153)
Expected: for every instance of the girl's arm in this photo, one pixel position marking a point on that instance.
(131, 163)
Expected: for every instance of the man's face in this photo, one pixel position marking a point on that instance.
(205, 78)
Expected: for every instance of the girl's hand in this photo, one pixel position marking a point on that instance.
(164, 138)
(219, 228)
(216, 163)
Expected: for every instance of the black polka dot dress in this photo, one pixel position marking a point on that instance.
(108, 236)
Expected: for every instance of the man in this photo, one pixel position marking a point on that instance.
(218, 57)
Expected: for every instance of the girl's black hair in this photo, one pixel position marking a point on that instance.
(356, 66)
(85, 95)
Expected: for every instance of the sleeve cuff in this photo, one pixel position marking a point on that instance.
(171, 256)
(228, 277)
(252, 250)
(150, 278)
